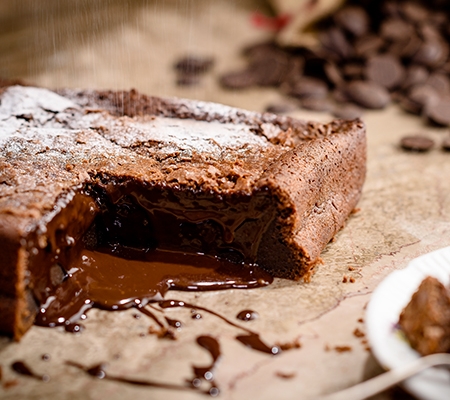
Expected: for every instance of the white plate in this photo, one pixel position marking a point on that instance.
(387, 342)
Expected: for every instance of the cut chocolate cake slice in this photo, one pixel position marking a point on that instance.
(109, 199)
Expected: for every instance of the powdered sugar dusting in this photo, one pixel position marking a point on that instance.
(22, 104)
(190, 135)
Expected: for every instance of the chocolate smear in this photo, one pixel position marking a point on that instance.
(99, 371)
(23, 369)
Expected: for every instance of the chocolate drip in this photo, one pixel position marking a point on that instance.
(148, 313)
(73, 327)
(254, 341)
(99, 371)
(247, 315)
(21, 368)
(207, 372)
(174, 323)
(251, 340)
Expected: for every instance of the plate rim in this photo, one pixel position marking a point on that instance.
(387, 301)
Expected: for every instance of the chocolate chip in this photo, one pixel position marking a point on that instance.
(280, 108)
(188, 80)
(446, 144)
(385, 69)
(438, 112)
(414, 12)
(418, 143)
(238, 79)
(368, 45)
(396, 29)
(431, 53)
(316, 104)
(193, 65)
(308, 87)
(423, 95)
(333, 73)
(409, 105)
(415, 74)
(353, 19)
(335, 41)
(269, 66)
(353, 70)
(440, 82)
(347, 111)
(368, 94)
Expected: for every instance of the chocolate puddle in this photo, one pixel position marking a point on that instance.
(98, 278)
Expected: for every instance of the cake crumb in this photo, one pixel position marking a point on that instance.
(290, 345)
(352, 280)
(351, 268)
(10, 383)
(344, 279)
(364, 341)
(358, 333)
(285, 375)
(342, 349)
(360, 320)
(367, 348)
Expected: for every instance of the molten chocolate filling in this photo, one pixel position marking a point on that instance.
(120, 244)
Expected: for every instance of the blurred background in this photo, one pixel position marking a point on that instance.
(123, 44)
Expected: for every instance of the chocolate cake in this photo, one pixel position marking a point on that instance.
(426, 319)
(96, 185)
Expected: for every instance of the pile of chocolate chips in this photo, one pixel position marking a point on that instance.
(371, 53)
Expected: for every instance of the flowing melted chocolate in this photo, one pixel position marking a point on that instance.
(99, 371)
(252, 339)
(23, 369)
(103, 280)
(207, 372)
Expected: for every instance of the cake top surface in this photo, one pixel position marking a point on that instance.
(52, 142)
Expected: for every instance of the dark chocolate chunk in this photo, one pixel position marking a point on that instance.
(333, 73)
(438, 112)
(396, 29)
(415, 74)
(368, 94)
(308, 87)
(193, 65)
(431, 53)
(347, 111)
(281, 107)
(238, 79)
(316, 104)
(440, 82)
(368, 45)
(188, 80)
(446, 144)
(423, 95)
(353, 19)
(335, 41)
(385, 69)
(418, 143)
